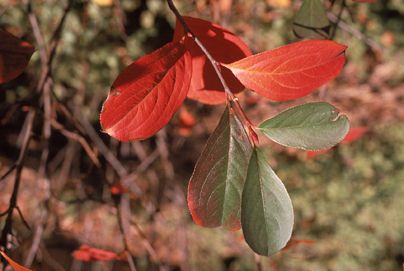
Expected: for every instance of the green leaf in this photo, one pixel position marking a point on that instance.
(310, 126)
(311, 21)
(266, 209)
(214, 191)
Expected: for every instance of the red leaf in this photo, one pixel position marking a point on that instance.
(86, 253)
(14, 56)
(312, 154)
(291, 71)
(13, 264)
(224, 46)
(295, 242)
(354, 134)
(147, 93)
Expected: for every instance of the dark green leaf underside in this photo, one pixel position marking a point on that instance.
(266, 210)
(310, 126)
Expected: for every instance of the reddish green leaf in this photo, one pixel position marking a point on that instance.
(214, 191)
(291, 71)
(224, 46)
(266, 209)
(13, 264)
(147, 93)
(14, 56)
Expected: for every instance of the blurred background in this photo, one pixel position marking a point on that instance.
(348, 202)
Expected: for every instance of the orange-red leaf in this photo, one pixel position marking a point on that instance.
(295, 242)
(354, 134)
(14, 56)
(86, 253)
(147, 93)
(13, 264)
(224, 46)
(291, 71)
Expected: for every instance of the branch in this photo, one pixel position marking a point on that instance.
(354, 32)
(7, 229)
(233, 100)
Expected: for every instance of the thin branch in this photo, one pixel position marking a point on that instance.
(78, 138)
(7, 229)
(258, 263)
(339, 16)
(8, 172)
(43, 52)
(354, 32)
(24, 221)
(233, 100)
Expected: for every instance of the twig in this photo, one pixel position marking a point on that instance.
(4, 176)
(124, 225)
(34, 246)
(339, 16)
(146, 243)
(132, 266)
(354, 32)
(78, 138)
(19, 166)
(232, 99)
(258, 263)
(24, 221)
(43, 52)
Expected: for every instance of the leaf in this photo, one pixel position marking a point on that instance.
(86, 253)
(311, 21)
(214, 190)
(294, 242)
(14, 56)
(310, 126)
(224, 46)
(147, 93)
(354, 134)
(266, 209)
(291, 71)
(13, 264)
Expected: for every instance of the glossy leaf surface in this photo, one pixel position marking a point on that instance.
(147, 93)
(291, 71)
(14, 265)
(214, 191)
(224, 46)
(311, 21)
(310, 126)
(14, 56)
(266, 210)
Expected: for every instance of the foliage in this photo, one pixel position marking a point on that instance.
(97, 44)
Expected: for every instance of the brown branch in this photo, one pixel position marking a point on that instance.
(258, 263)
(7, 229)
(24, 221)
(78, 138)
(232, 99)
(354, 32)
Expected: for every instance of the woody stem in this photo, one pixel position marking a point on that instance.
(233, 100)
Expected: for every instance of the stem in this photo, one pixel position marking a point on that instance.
(232, 99)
